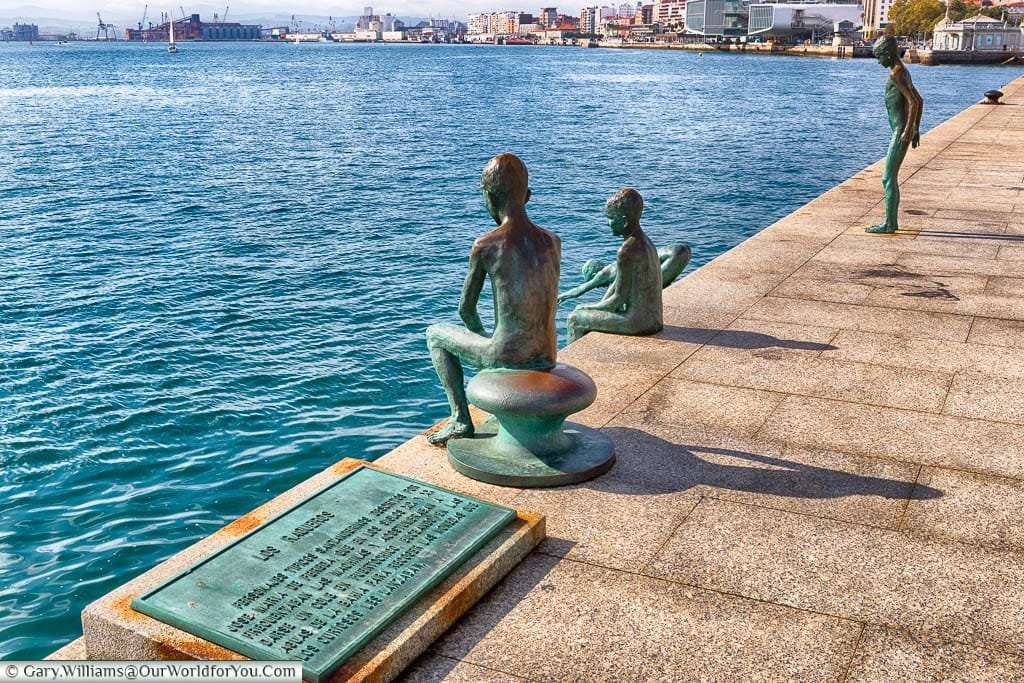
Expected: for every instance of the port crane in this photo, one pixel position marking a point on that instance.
(145, 11)
(107, 30)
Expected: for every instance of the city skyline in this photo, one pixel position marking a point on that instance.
(128, 12)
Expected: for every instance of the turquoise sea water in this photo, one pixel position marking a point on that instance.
(216, 268)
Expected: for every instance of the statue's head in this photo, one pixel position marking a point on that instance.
(592, 267)
(886, 50)
(504, 182)
(623, 210)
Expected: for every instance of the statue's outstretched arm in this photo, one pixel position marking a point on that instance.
(603, 278)
(471, 289)
(618, 295)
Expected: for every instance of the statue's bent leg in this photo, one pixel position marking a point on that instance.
(449, 345)
(585, 320)
(676, 258)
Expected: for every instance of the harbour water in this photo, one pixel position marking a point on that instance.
(216, 267)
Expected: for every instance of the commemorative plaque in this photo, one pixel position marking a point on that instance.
(317, 582)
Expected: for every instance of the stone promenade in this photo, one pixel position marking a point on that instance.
(820, 460)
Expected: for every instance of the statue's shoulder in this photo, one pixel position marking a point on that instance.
(551, 237)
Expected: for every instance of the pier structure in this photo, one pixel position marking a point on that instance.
(820, 468)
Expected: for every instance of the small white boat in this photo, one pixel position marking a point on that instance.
(171, 47)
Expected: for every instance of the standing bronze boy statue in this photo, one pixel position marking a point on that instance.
(903, 103)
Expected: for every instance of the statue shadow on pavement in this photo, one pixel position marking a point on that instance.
(737, 339)
(648, 460)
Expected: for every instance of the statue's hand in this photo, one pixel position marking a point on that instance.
(562, 298)
(917, 139)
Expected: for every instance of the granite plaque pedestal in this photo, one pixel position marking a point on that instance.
(355, 586)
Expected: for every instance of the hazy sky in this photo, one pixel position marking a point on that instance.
(131, 10)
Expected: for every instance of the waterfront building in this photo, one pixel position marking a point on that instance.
(800, 21)
(524, 24)
(589, 17)
(595, 17)
(478, 23)
(669, 13)
(232, 31)
(6, 34)
(193, 28)
(717, 18)
(1014, 12)
(978, 33)
(548, 17)
(876, 16)
(25, 32)
(504, 23)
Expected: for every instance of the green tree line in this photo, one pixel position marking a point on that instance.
(907, 17)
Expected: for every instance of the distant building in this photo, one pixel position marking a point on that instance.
(978, 33)
(717, 18)
(226, 31)
(274, 33)
(25, 32)
(876, 16)
(524, 24)
(478, 23)
(6, 34)
(588, 20)
(548, 17)
(798, 21)
(669, 13)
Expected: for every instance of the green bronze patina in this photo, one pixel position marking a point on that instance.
(523, 263)
(528, 442)
(632, 304)
(525, 444)
(904, 105)
(322, 579)
(596, 273)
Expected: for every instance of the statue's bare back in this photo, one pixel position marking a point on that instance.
(523, 264)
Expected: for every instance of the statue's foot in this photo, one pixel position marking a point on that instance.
(882, 228)
(451, 430)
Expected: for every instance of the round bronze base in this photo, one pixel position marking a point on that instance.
(485, 458)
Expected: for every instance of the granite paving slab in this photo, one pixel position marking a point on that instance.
(893, 655)
(878, 576)
(998, 332)
(704, 407)
(974, 509)
(915, 324)
(910, 436)
(608, 522)
(929, 354)
(987, 397)
(559, 620)
(823, 377)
